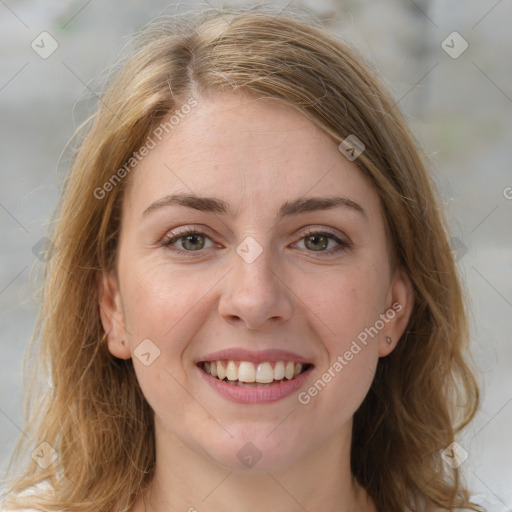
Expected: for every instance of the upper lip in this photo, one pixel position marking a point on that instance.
(260, 356)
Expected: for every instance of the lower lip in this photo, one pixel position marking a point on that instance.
(243, 395)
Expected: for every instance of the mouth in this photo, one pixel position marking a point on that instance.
(253, 375)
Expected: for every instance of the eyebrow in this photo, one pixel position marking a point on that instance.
(288, 209)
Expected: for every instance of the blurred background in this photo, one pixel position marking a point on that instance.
(446, 63)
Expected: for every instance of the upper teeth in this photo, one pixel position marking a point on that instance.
(246, 371)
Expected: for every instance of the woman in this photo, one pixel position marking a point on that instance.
(251, 303)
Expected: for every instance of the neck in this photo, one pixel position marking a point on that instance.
(187, 481)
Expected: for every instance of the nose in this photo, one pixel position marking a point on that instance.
(254, 294)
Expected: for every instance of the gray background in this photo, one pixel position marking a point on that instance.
(460, 110)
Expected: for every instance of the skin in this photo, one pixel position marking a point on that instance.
(254, 154)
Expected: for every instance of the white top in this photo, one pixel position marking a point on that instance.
(39, 487)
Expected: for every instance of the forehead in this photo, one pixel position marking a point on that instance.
(249, 151)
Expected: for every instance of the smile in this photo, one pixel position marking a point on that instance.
(248, 374)
(247, 382)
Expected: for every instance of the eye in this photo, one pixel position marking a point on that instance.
(189, 241)
(320, 241)
(194, 240)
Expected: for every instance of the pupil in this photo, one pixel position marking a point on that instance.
(191, 242)
(319, 242)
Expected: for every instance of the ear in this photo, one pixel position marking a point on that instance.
(112, 315)
(400, 302)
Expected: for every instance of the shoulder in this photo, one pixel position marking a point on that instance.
(37, 490)
(20, 510)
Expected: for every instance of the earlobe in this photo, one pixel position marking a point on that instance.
(112, 316)
(400, 303)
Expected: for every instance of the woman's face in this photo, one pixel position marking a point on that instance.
(249, 244)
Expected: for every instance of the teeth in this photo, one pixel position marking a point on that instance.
(246, 371)
(265, 373)
(289, 371)
(279, 371)
(221, 372)
(231, 371)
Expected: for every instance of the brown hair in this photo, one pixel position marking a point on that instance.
(95, 415)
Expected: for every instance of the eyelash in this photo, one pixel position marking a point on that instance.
(171, 239)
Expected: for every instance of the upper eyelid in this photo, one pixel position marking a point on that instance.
(203, 230)
(183, 231)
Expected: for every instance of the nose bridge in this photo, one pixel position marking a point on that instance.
(254, 266)
(254, 293)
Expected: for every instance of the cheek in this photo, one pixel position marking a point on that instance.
(346, 301)
(345, 306)
(167, 308)
(344, 385)
(163, 305)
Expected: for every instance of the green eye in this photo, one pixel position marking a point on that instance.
(194, 242)
(316, 242)
(322, 242)
(188, 241)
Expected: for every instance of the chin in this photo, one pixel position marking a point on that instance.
(257, 451)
